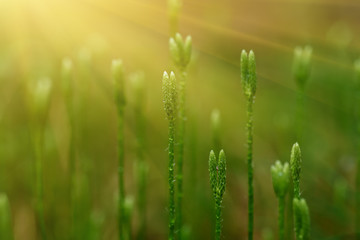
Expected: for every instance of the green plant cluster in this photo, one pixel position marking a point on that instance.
(217, 171)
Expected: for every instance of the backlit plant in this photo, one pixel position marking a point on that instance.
(295, 165)
(248, 80)
(39, 95)
(180, 51)
(118, 77)
(170, 100)
(301, 219)
(301, 73)
(357, 129)
(280, 174)
(217, 171)
(67, 84)
(300, 208)
(6, 232)
(138, 92)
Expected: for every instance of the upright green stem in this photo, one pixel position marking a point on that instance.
(357, 144)
(142, 199)
(121, 172)
(171, 180)
(218, 218)
(181, 136)
(71, 163)
(72, 182)
(357, 177)
(217, 171)
(249, 127)
(281, 218)
(39, 182)
(170, 99)
(6, 232)
(141, 164)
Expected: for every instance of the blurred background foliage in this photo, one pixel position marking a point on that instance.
(36, 35)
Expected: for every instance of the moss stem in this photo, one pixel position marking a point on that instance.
(249, 128)
(281, 220)
(171, 180)
(181, 136)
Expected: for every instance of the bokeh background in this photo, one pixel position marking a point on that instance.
(37, 34)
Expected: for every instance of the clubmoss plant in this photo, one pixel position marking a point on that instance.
(137, 81)
(67, 83)
(118, 77)
(295, 165)
(170, 97)
(280, 174)
(215, 126)
(6, 232)
(301, 73)
(128, 211)
(180, 51)
(301, 219)
(248, 80)
(217, 171)
(39, 103)
(357, 129)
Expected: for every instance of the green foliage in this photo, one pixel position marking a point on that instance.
(301, 65)
(248, 73)
(281, 180)
(217, 172)
(138, 92)
(295, 165)
(39, 94)
(118, 77)
(6, 232)
(66, 75)
(39, 99)
(248, 80)
(67, 83)
(128, 211)
(280, 174)
(180, 51)
(170, 96)
(301, 219)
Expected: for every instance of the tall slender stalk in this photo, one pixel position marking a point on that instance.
(217, 171)
(128, 210)
(137, 81)
(170, 98)
(39, 102)
(180, 51)
(300, 208)
(280, 174)
(357, 130)
(6, 232)
(118, 76)
(248, 79)
(301, 219)
(67, 83)
(295, 165)
(301, 72)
